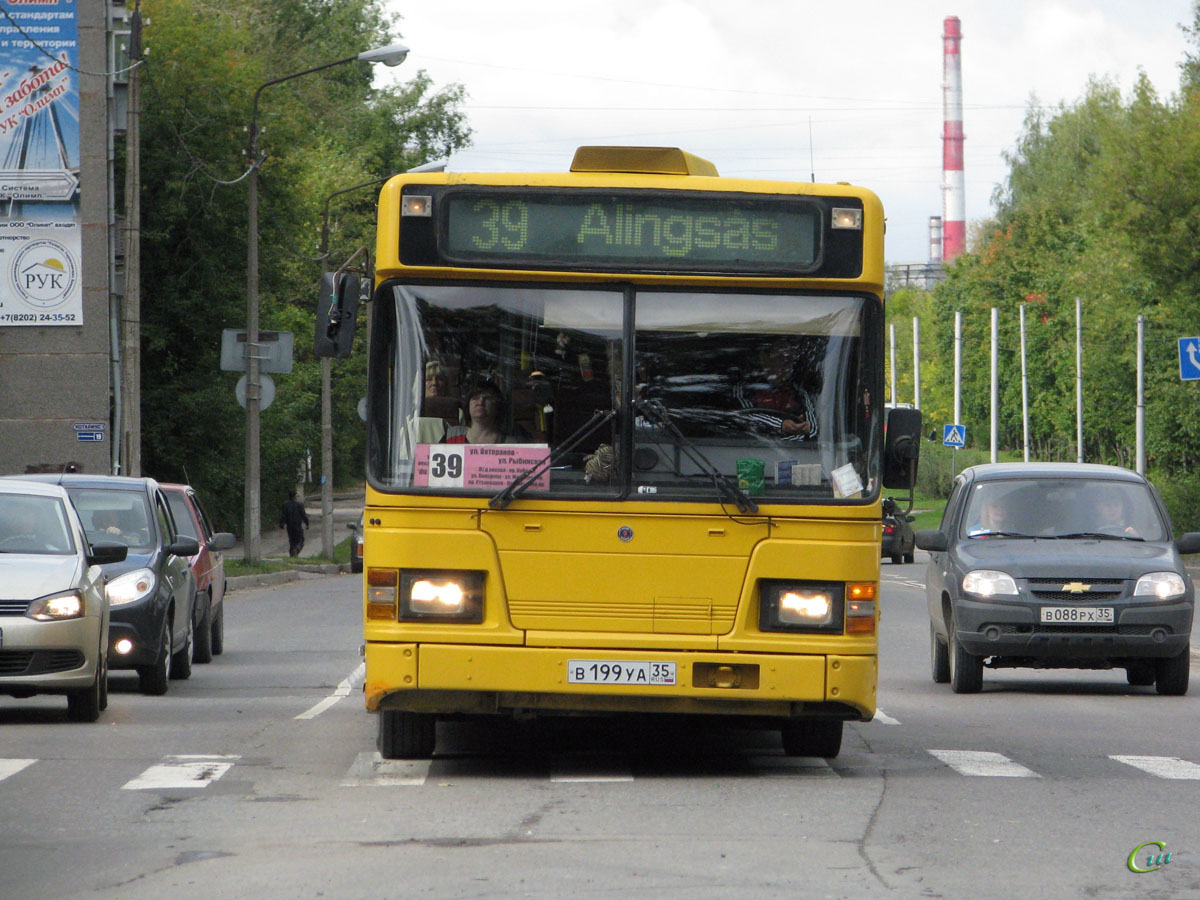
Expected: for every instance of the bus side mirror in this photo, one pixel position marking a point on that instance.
(901, 448)
(337, 312)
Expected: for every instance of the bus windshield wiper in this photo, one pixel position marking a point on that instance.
(727, 488)
(523, 480)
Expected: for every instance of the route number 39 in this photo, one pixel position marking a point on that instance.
(445, 469)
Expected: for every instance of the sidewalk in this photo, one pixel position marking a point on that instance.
(273, 541)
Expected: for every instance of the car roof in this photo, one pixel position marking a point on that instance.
(174, 486)
(998, 471)
(108, 482)
(17, 486)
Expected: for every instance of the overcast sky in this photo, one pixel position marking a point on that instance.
(745, 83)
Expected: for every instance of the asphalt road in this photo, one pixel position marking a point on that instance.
(258, 777)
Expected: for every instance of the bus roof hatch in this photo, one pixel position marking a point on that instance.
(641, 160)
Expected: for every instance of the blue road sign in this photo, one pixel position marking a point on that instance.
(1189, 358)
(86, 436)
(954, 436)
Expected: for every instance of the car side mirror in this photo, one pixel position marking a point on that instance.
(221, 540)
(104, 552)
(901, 449)
(932, 540)
(1189, 543)
(184, 546)
(910, 518)
(352, 526)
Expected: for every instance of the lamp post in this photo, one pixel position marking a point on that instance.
(391, 55)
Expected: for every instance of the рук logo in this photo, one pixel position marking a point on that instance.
(44, 273)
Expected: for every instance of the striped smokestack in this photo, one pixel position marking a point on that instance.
(954, 212)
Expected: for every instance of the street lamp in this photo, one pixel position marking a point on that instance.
(391, 55)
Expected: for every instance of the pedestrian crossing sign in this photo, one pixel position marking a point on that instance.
(954, 436)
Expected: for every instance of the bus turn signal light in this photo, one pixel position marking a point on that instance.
(860, 608)
(381, 593)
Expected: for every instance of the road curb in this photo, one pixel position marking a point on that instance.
(268, 579)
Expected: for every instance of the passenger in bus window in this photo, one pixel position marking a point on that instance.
(779, 402)
(440, 402)
(487, 417)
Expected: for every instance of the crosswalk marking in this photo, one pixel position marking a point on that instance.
(1163, 766)
(984, 763)
(583, 769)
(13, 766)
(182, 772)
(369, 769)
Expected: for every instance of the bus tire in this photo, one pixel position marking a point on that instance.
(812, 737)
(406, 735)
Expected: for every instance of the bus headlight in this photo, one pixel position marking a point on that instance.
(801, 606)
(428, 595)
(1160, 586)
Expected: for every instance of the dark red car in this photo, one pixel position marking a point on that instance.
(208, 567)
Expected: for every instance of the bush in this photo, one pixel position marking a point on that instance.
(1181, 494)
(939, 464)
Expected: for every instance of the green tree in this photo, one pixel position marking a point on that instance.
(319, 134)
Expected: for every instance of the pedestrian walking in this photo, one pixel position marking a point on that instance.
(295, 520)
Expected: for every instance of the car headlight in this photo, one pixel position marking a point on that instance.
(1160, 586)
(440, 596)
(68, 605)
(988, 583)
(130, 587)
(801, 605)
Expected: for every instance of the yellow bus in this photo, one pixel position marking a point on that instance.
(625, 448)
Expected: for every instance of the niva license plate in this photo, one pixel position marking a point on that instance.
(1077, 615)
(596, 671)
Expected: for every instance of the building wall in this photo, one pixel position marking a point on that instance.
(53, 378)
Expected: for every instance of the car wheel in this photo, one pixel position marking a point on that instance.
(1171, 674)
(153, 679)
(406, 735)
(812, 737)
(1140, 674)
(966, 670)
(218, 631)
(939, 658)
(203, 652)
(84, 705)
(910, 557)
(896, 559)
(104, 680)
(181, 664)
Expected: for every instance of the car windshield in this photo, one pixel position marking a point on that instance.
(34, 524)
(1063, 508)
(110, 515)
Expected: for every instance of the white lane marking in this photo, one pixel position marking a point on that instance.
(13, 766)
(983, 762)
(342, 690)
(190, 771)
(369, 769)
(883, 718)
(571, 769)
(1163, 766)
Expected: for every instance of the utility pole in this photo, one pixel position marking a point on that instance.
(131, 307)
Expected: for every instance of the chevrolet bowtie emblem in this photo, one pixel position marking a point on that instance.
(1076, 587)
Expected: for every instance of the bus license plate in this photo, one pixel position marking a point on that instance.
(1081, 615)
(595, 671)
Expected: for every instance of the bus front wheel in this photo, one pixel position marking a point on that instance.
(812, 737)
(406, 735)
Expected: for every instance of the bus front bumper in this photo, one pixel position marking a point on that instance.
(453, 679)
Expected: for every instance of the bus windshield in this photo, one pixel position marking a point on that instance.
(625, 391)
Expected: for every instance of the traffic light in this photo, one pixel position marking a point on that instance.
(337, 311)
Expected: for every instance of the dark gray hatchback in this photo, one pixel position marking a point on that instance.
(1058, 565)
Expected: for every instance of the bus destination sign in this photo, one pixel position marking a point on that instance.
(689, 232)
